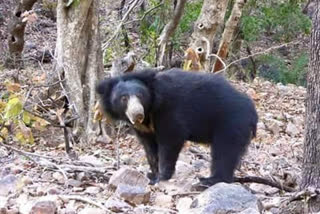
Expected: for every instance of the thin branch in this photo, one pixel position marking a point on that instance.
(144, 15)
(83, 199)
(258, 53)
(107, 43)
(265, 181)
(172, 25)
(170, 28)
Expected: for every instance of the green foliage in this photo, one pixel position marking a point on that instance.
(275, 69)
(151, 27)
(283, 20)
(14, 116)
(191, 12)
(13, 108)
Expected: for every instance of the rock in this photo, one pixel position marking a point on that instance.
(93, 190)
(116, 205)
(82, 176)
(225, 198)
(53, 191)
(90, 210)
(58, 177)
(163, 200)
(292, 129)
(92, 160)
(44, 207)
(3, 202)
(183, 204)
(199, 165)
(261, 125)
(13, 211)
(47, 175)
(127, 160)
(26, 180)
(133, 194)
(274, 126)
(128, 177)
(3, 210)
(74, 183)
(8, 184)
(183, 170)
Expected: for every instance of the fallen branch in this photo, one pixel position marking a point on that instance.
(260, 180)
(83, 199)
(64, 167)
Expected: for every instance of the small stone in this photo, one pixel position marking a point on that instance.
(8, 184)
(53, 191)
(82, 176)
(74, 183)
(116, 205)
(26, 180)
(163, 200)
(127, 160)
(58, 177)
(13, 211)
(44, 207)
(91, 210)
(47, 175)
(133, 194)
(93, 190)
(3, 210)
(184, 204)
(129, 177)
(91, 159)
(292, 129)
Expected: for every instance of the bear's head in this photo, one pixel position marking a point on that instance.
(125, 99)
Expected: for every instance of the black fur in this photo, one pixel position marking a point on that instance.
(184, 106)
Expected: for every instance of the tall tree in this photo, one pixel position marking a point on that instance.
(206, 26)
(311, 160)
(311, 166)
(229, 31)
(79, 58)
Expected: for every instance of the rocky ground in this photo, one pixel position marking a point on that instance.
(44, 179)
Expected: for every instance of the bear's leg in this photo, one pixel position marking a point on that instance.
(226, 151)
(150, 146)
(169, 149)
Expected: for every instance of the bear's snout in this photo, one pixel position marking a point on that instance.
(135, 110)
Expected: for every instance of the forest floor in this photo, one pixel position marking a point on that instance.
(43, 170)
(46, 171)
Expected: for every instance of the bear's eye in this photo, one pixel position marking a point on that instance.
(139, 95)
(124, 99)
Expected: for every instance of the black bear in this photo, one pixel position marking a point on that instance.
(167, 108)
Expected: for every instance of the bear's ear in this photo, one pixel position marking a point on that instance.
(101, 87)
(105, 86)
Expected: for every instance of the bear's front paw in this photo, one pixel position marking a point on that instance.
(154, 178)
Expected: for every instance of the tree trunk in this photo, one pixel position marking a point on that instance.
(311, 156)
(211, 17)
(169, 29)
(311, 166)
(79, 59)
(228, 33)
(16, 29)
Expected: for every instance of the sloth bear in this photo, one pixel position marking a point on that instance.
(167, 108)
